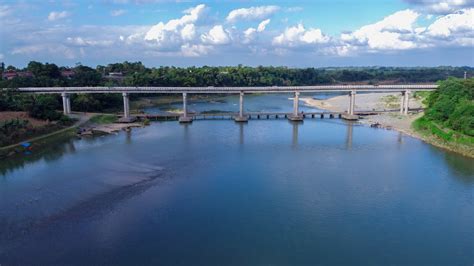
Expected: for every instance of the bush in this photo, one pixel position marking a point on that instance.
(452, 105)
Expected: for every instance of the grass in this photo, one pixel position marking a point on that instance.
(103, 119)
(430, 128)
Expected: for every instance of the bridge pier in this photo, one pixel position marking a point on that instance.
(66, 103)
(296, 116)
(126, 109)
(241, 117)
(402, 102)
(185, 118)
(352, 102)
(350, 112)
(126, 105)
(406, 102)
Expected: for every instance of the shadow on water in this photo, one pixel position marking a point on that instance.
(15, 234)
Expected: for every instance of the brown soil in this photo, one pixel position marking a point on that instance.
(8, 115)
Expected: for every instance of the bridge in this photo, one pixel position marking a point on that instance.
(351, 90)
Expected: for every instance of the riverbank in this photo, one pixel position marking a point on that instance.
(392, 121)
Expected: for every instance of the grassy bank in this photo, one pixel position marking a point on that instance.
(103, 119)
(449, 117)
(446, 138)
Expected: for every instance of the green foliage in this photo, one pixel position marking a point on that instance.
(96, 102)
(44, 107)
(452, 105)
(103, 119)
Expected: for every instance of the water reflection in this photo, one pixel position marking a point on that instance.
(349, 133)
(294, 139)
(49, 150)
(461, 167)
(128, 136)
(241, 134)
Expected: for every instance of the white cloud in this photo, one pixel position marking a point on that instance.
(194, 50)
(188, 32)
(176, 31)
(459, 22)
(249, 35)
(1, 56)
(261, 27)
(79, 41)
(387, 34)
(53, 16)
(118, 12)
(297, 35)
(216, 35)
(441, 6)
(252, 13)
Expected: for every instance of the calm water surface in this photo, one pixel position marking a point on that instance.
(218, 193)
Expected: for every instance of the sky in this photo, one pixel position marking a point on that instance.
(317, 33)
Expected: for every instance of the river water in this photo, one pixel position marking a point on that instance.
(218, 193)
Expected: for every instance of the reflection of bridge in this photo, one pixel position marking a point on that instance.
(405, 91)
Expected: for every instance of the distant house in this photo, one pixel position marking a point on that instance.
(10, 74)
(115, 75)
(67, 73)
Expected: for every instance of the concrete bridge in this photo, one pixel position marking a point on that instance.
(351, 90)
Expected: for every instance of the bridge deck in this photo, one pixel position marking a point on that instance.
(268, 89)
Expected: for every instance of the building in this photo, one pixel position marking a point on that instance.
(10, 74)
(67, 73)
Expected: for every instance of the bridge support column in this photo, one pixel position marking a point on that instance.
(126, 106)
(241, 117)
(185, 118)
(352, 102)
(402, 103)
(406, 102)
(66, 103)
(126, 109)
(350, 111)
(296, 116)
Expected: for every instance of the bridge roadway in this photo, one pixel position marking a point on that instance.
(352, 90)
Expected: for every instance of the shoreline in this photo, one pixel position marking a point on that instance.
(389, 121)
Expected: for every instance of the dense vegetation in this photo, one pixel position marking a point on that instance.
(450, 111)
(136, 74)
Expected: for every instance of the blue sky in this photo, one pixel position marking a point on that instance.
(291, 33)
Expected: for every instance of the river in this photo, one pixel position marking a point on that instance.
(219, 193)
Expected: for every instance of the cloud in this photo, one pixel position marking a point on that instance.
(118, 12)
(297, 36)
(387, 34)
(1, 56)
(53, 16)
(79, 41)
(441, 6)
(176, 31)
(261, 27)
(216, 35)
(48, 49)
(250, 34)
(252, 13)
(452, 24)
(195, 50)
